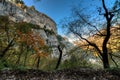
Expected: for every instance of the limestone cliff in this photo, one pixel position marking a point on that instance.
(27, 14)
(21, 13)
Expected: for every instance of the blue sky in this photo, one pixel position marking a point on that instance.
(56, 9)
(59, 9)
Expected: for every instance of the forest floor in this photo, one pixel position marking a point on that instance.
(67, 74)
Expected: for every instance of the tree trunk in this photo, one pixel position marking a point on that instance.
(104, 47)
(108, 15)
(60, 57)
(20, 54)
(38, 63)
(105, 61)
(25, 59)
(6, 49)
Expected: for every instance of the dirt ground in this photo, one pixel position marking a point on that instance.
(67, 74)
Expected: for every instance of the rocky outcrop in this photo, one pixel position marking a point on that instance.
(27, 14)
(47, 27)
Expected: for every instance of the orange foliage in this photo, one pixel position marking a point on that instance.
(33, 40)
(113, 43)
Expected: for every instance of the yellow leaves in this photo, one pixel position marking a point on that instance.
(33, 40)
(26, 34)
(95, 54)
(19, 5)
(113, 44)
(41, 41)
(40, 54)
(35, 48)
(30, 38)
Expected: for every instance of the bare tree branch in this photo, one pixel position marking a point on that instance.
(88, 23)
(90, 43)
(113, 60)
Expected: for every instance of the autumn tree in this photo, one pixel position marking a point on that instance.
(32, 39)
(84, 26)
(20, 43)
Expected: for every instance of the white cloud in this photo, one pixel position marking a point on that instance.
(71, 37)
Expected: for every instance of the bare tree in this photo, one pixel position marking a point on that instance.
(81, 26)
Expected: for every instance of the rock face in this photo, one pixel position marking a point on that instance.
(29, 15)
(47, 27)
